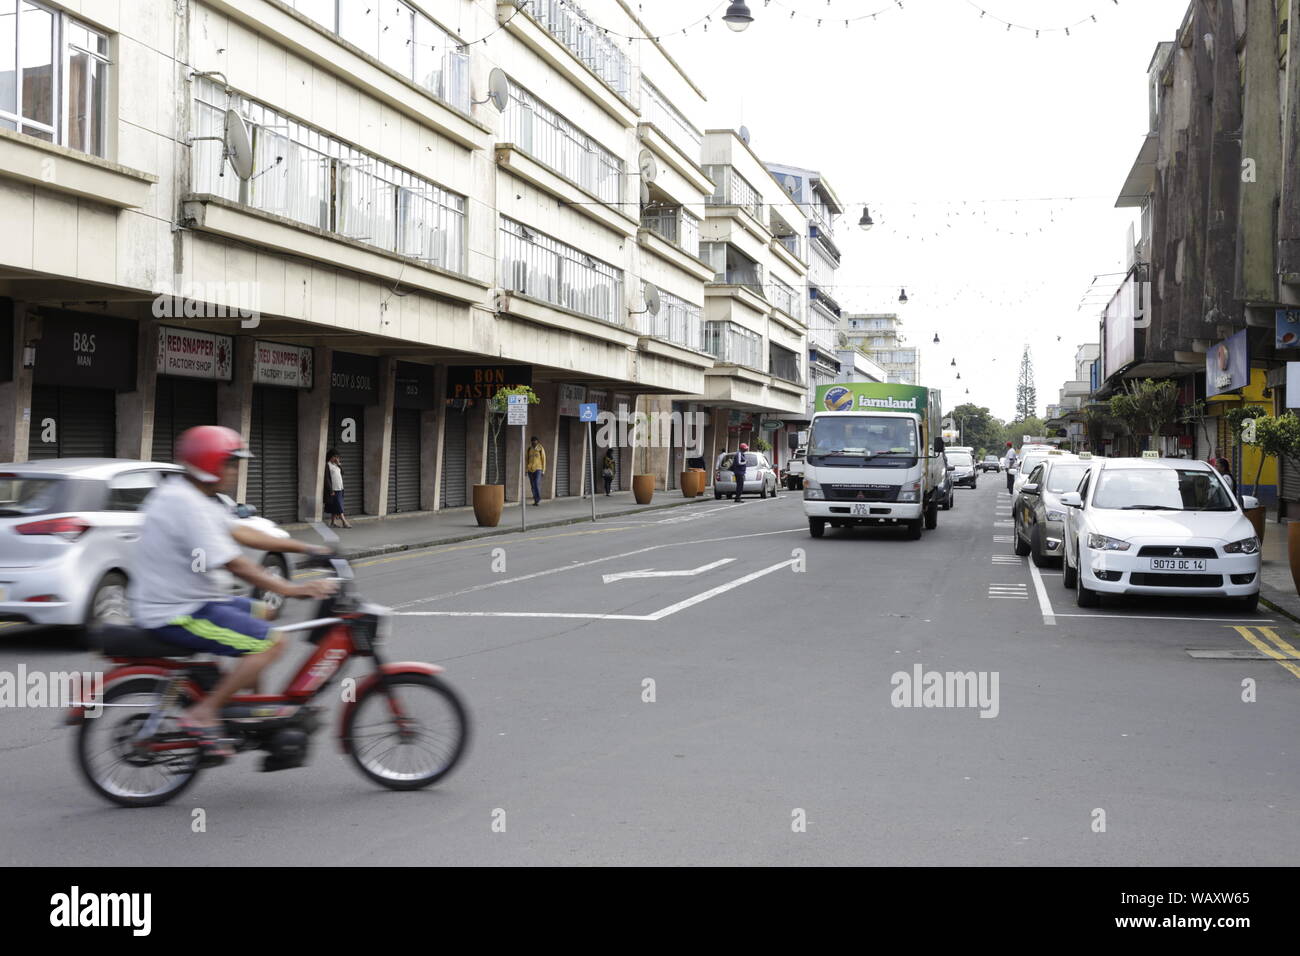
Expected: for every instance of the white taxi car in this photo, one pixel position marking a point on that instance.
(1031, 459)
(1159, 526)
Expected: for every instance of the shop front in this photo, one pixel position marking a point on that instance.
(82, 362)
(280, 372)
(190, 366)
(413, 402)
(354, 386)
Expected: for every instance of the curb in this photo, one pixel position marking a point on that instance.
(1279, 609)
(374, 551)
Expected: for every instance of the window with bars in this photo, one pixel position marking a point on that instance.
(536, 265)
(732, 189)
(53, 77)
(733, 267)
(733, 344)
(656, 109)
(678, 321)
(553, 141)
(786, 299)
(784, 364)
(674, 224)
(304, 175)
(569, 24)
(400, 37)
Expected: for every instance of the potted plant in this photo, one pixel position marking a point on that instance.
(643, 485)
(490, 499)
(1275, 438)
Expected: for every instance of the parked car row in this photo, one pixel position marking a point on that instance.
(68, 527)
(1139, 526)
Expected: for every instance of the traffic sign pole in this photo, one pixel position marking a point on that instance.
(523, 457)
(587, 412)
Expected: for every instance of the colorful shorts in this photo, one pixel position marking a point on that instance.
(232, 628)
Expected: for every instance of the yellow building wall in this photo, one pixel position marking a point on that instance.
(1252, 394)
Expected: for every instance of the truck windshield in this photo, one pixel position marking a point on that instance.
(865, 435)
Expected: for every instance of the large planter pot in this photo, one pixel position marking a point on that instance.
(701, 480)
(1293, 551)
(692, 483)
(488, 502)
(643, 488)
(1258, 517)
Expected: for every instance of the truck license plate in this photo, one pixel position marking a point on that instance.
(1177, 564)
(860, 510)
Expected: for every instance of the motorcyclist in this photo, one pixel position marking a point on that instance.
(187, 536)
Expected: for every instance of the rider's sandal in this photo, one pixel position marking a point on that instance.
(211, 744)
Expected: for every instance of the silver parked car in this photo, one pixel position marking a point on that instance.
(67, 529)
(1038, 513)
(760, 476)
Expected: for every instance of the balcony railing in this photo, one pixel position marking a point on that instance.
(674, 224)
(732, 189)
(733, 344)
(784, 364)
(569, 24)
(302, 174)
(656, 109)
(555, 142)
(794, 245)
(677, 321)
(823, 336)
(786, 299)
(731, 267)
(538, 266)
(401, 38)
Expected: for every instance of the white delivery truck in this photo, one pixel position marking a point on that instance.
(875, 456)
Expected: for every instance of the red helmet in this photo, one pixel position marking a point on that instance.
(204, 449)
(744, 447)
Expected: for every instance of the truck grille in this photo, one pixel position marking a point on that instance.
(849, 493)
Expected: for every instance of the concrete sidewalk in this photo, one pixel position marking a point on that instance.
(1276, 588)
(422, 529)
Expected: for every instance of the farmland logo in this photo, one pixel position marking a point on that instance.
(838, 399)
(894, 403)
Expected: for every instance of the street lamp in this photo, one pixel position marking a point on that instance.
(737, 16)
(936, 338)
(953, 363)
(866, 221)
(902, 297)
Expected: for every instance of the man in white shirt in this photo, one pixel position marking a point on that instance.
(1010, 463)
(186, 537)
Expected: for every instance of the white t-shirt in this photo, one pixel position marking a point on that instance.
(179, 562)
(336, 477)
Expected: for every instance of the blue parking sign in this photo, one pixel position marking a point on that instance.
(587, 412)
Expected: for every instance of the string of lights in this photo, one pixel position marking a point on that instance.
(1035, 30)
(829, 18)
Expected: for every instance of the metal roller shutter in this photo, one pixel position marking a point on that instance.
(562, 459)
(180, 404)
(85, 422)
(273, 440)
(455, 428)
(351, 453)
(404, 462)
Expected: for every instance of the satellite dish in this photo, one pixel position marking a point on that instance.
(645, 193)
(744, 135)
(239, 148)
(649, 168)
(499, 89)
(651, 299)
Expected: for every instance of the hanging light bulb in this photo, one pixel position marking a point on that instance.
(737, 16)
(865, 222)
(959, 376)
(936, 338)
(902, 297)
(953, 363)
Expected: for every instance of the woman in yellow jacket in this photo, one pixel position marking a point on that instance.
(535, 465)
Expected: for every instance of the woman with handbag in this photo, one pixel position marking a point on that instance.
(607, 472)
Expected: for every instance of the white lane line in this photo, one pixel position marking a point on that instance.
(1141, 617)
(583, 564)
(655, 616)
(1044, 605)
(1007, 559)
(651, 573)
(1002, 524)
(1002, 539)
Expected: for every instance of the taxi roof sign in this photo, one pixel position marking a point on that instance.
(1056, 451)
(1085, 456)
(1150, 454)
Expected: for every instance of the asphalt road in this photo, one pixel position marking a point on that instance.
(774, 692)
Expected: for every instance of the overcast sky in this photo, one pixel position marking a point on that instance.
(929, 106)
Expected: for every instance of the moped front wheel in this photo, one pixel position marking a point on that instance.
(416, 747)
(126, 768)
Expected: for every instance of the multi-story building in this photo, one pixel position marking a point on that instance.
(880, 336)
(346, 224)
(811, 191)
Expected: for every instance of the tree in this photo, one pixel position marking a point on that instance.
(979, 429)
(497, 407)
(1026, 393)
(1016, 431)
(1275, 438)
(1147, 407)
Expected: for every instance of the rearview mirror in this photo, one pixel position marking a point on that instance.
(1248, 502)
(1029, 489)
(1071, 499)
(245, 511)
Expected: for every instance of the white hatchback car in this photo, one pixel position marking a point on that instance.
(1159, 526)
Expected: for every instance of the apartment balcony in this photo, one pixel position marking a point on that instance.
(1077, 389)
(822, 239)
(733, 189)
(675, 225)
(569, 23)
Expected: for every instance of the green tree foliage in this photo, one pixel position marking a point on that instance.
(980, 430)
(1016, 431)
(1147, 407)
(1026, 393)
(497, 406)
(1275, 437)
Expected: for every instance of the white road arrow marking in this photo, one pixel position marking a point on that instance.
(648, 573)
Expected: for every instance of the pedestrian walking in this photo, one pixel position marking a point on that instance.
(1011, 459)
(738, 466)
(535, 465)
(334, 506)
(607, 472)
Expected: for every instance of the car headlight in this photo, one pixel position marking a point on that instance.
(910, 492)
(1244, 546)
(1056, 516)
(812, 491)
(1099, 542)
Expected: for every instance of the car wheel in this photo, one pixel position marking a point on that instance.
(717, 495)
(1022, 549)
(1084, 596)
(274, 565)
(952, 500)
(108, 603)
(1041, 560)
(932, 517)
(816, 527)
(1069, 575)
(914, 529)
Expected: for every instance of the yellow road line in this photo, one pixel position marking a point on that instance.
(1244, 631)
(1273, 636)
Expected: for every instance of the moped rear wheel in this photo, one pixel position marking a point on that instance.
(417, 749)
(123, 769)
